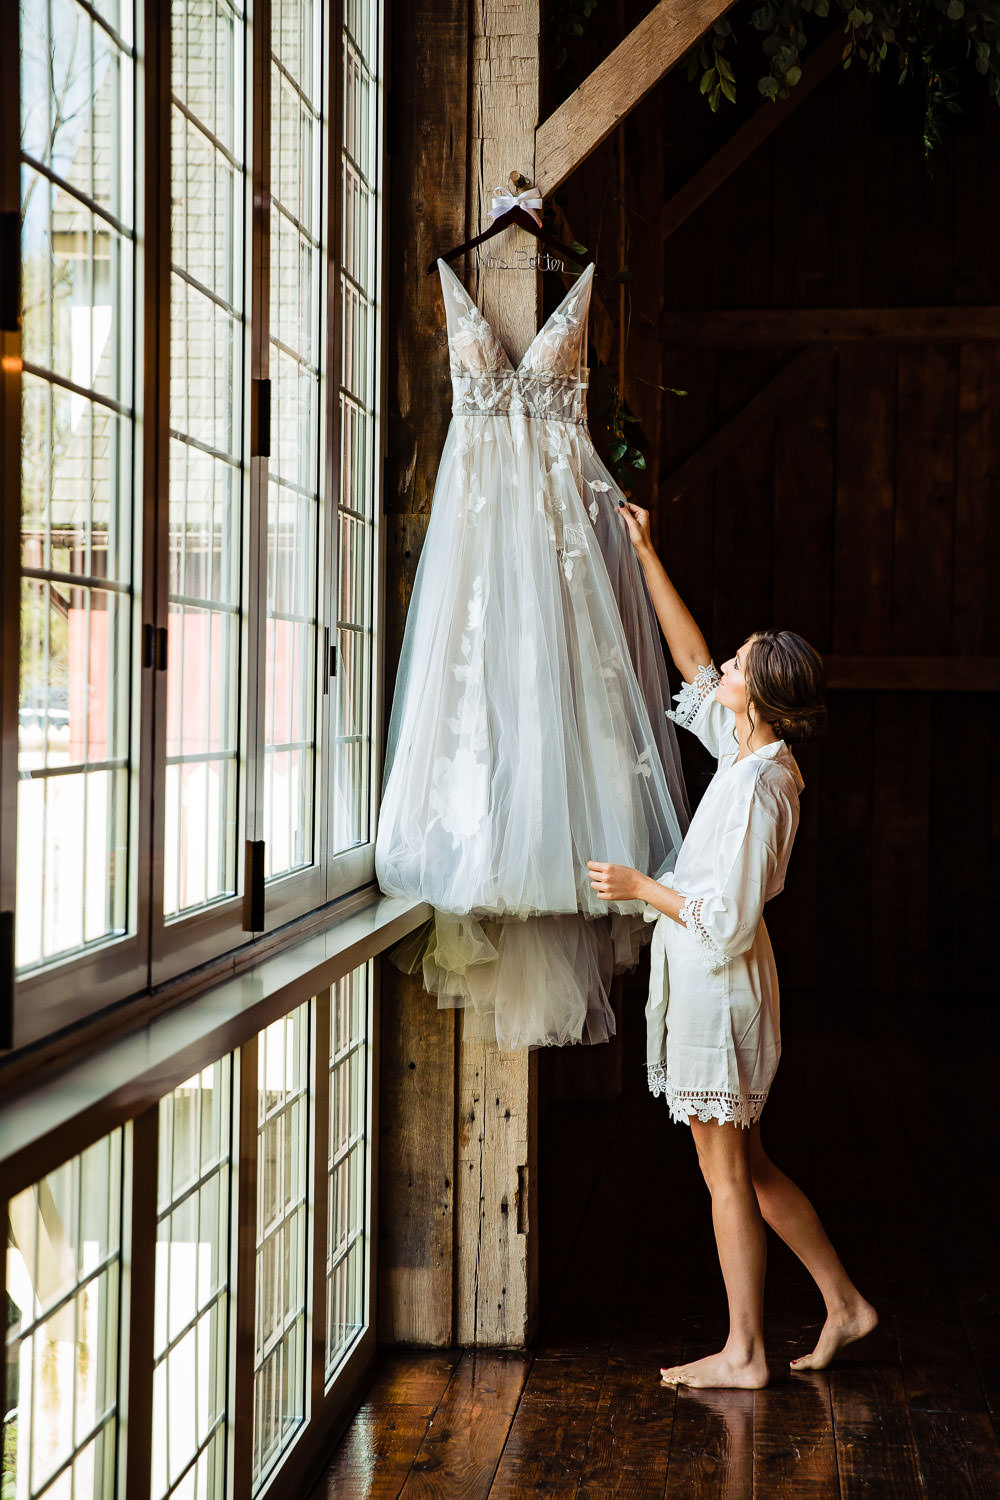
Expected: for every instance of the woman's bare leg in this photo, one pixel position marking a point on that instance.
(723, 1152)
(788, 1211)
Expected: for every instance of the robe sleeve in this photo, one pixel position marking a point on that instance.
(698, 710)
(725, 923)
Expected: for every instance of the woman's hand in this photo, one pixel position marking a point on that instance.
(637, 521)
(615, 882)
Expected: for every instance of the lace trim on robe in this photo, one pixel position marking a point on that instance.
(707, 1104)
(693, 694)
(691, 916)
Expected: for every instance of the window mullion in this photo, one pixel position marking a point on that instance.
(259, 337)
(332, 263)
(139, 1256)
(243, 1272)
(156, 466)
(316, 1319)
(10, 453)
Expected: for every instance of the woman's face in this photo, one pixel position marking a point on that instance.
(732, 688)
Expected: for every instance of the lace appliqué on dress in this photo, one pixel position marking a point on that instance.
(707, 1104)
(693, 694)
(691, 916)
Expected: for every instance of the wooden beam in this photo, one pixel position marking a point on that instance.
(496, 1220)
(503, 118)
(419, 1043)
(744, 327)
(761, 124)
(617, 84)
(913, 674)
(706, 459)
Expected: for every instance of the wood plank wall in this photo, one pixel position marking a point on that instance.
(862, 513)
(419, 1051)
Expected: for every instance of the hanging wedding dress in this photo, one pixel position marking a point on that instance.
(528, 731)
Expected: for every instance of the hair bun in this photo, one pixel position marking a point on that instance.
(802, 725)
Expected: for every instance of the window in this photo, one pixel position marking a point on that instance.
(64, 1312)
(283, 1137)
(207, 461)
(75, 866)
(199, 466)
(191, 1319)
(244, 1256)
(348, 1165)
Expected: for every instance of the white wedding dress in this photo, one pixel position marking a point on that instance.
(528, 731)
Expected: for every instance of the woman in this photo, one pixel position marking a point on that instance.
(712, 1020)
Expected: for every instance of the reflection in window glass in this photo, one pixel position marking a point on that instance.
(282, 1183)
(77, 463)
(347, 1162)
(63, 1286)
(191, 1321)
(358, 374)
(293, 503)
(207, 311)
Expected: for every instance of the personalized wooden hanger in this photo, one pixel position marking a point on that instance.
(521, 205)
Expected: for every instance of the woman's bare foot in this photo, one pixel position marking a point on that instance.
(840, 1328)
(722, 1370)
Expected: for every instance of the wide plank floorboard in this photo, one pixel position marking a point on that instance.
(630, 1282)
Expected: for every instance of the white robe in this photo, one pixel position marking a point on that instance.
(712, 1022)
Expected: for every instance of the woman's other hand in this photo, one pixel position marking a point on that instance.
(615, 882)
(637, 521)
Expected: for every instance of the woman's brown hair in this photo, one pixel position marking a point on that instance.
(786, 683)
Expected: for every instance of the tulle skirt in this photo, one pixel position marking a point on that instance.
(528, 733)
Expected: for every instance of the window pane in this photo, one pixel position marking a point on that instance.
(207, 470)
(191, 1320)
(78, 257)
(358, 374)
(63, 1288)
(297, 242)
(347, 1163)
(282, 1182)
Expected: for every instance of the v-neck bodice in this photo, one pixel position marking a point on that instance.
(550, 380)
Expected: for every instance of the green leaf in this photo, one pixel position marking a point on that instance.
(637, 459)
(728, 91)
(725, 69)
(618, 450)
(713, 99)
(707, 80)
(955, 11)
(793, 75)
(577, 247)
(822, 8)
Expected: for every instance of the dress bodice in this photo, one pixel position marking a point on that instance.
(550, 382)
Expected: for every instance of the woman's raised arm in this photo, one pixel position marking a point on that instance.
(684, 640)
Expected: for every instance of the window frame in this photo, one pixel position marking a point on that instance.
(59, 993)
(157, 951)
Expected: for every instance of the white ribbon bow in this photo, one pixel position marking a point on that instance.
(530, 200)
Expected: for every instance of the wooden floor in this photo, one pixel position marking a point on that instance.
(888, 1119)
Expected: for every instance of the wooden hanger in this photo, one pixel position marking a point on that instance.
(520, 187)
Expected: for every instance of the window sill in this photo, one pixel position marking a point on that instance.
(52, 1116)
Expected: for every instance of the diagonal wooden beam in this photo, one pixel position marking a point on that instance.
(706, 459)
(617, 84)
(744, 142)
(744, 328)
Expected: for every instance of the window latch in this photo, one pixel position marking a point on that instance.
(6, 979)
(154, 647)
(260, 419)
(253, 887)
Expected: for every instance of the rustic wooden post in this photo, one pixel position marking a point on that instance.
(496, 1219)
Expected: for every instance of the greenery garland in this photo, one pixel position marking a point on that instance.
(936, 45)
